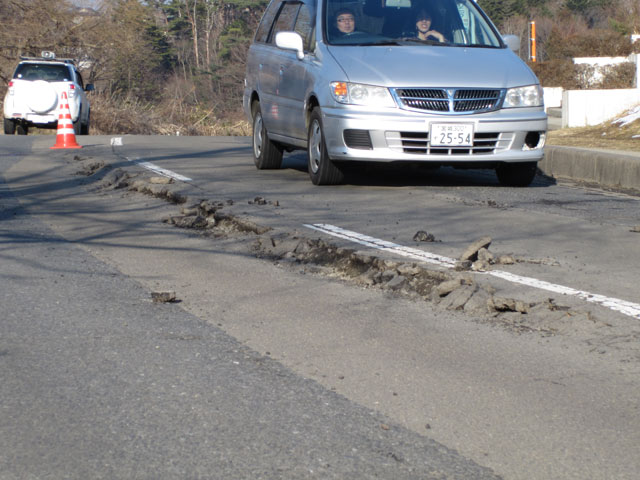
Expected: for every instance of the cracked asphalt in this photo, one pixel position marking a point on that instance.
(98, 381)
(541, 402)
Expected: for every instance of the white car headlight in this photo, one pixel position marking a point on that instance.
(359, 94)
(529, 96)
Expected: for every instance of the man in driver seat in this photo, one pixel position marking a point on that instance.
(345, 21)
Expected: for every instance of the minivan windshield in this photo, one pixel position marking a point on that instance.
(408, 22)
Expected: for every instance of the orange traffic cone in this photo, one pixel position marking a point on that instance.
(66, 136)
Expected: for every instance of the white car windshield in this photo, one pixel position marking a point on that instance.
(409, 22)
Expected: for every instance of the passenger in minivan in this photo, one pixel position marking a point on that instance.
(345, 21)
(423, 27)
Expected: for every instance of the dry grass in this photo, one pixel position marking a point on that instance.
(111, 115)
(608, 135)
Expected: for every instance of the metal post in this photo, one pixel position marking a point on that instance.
(532, 41)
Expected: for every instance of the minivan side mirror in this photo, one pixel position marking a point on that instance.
(513, 42)
(89, 87)
(290, 41)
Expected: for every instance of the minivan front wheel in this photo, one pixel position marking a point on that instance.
(266, 154)
(321, 169)
(519, 174)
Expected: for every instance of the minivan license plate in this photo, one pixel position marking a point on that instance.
(451, 135)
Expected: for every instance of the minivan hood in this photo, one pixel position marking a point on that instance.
(432, 66)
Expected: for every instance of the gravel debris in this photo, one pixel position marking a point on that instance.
(456, 289)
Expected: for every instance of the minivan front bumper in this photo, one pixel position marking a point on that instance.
(359, 134)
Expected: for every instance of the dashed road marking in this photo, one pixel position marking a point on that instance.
(117, 141)
(622, 306)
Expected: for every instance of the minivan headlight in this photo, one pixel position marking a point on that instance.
(529, 96)
(359, 94)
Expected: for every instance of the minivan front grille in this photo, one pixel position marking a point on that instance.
(449, 100)
(434, 100)
(417, 143)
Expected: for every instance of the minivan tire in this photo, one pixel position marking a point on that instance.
(9, 126)
(516, 174)
(266, 154)
(321, 169)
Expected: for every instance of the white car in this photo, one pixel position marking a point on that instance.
(34, 92)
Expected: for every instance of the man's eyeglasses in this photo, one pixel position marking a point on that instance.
(345, 19)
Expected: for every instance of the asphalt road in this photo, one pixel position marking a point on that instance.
(263, 369)
(585, 232)
(97, 381)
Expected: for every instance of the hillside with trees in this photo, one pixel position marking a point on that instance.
(168, 66)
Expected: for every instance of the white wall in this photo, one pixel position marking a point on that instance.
(552, 97)
(600, 61)
(582, 108)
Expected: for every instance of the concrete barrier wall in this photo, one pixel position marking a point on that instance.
(582, 108)
(604, 167)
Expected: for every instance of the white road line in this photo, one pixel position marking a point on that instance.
(384, 245)
(117, 141)
(623, 306)
(161, 171)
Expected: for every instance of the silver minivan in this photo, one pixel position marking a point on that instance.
(418, 81)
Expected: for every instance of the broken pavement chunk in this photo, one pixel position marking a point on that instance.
(480, 266)
(161, 180)
(500, 304)
(457, 299)
(163, 297)
(396, 282)
(485, 255)
(471, 253)
(445, 288)
(505, 260)
(422, 236)
(463, 265)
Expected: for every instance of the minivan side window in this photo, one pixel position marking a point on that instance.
(475, 30)
(304, 27)
(262, 33)
(285, 20)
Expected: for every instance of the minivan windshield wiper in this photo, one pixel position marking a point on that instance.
(378, 43)
(478, 45)
(419, 41)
